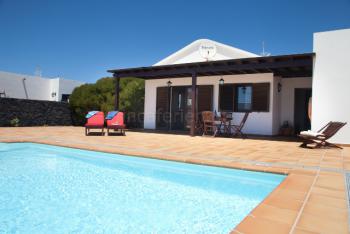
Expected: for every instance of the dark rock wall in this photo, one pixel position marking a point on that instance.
(34, 112)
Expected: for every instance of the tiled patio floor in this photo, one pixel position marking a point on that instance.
(312, 199)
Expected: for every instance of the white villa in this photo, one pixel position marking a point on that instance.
(274, 89)
(13, 85)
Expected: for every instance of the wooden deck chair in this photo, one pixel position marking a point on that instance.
(321, 136)
(238, 128)
(209, 123)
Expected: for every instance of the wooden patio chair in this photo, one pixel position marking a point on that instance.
(238, 128)
(321, 136)
(209, 123)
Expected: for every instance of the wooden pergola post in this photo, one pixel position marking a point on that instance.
(116, 98)
(194, 102)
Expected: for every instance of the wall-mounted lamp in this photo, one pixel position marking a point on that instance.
(221, 81)
(279, 87)
(169, 83)
(53, 94)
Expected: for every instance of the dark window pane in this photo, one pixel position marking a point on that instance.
(65, 98)
(205, 98)
(261, 97)
(226, 97)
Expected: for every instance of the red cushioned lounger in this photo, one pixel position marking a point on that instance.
(116, 123)
(96, 121)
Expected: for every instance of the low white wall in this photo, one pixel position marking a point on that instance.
(331, 82)
(287, 97)
(35, 87)
(257, 123)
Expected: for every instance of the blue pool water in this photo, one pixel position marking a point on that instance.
(49, 189)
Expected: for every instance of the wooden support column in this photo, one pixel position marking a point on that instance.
(116, 98)
(194, 102)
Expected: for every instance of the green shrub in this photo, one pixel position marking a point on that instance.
(100, 96)
(14, 122)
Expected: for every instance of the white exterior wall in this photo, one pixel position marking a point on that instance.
(35, 87)
(67, 87)
(54, 88)
(287, 97)
(257, 123)
(331, 82)
(276, 103)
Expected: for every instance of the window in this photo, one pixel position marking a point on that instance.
(261, 97)
(226, 97)
(205, 98)
(243, 98)
(65, 98)
(179, 101)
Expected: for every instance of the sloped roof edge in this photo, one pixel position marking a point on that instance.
(190, 48)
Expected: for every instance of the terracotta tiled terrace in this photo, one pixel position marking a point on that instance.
(312, 198)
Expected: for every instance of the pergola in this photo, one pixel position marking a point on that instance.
(285, 66)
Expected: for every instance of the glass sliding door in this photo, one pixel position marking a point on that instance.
(178, 107)
(174, 106)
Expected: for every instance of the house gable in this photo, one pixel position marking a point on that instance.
(192, 53)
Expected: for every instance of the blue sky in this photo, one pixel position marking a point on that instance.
(82, 39)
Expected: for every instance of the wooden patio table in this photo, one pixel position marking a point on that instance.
(225, 122)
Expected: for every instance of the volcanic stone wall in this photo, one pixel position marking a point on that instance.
(34, 112)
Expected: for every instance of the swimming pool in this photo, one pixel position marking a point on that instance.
(49, 189)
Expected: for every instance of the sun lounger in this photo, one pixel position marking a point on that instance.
(95, 120)
(320, 138)
(115, 121)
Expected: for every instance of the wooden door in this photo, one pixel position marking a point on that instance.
(301, 104)
(162, 108)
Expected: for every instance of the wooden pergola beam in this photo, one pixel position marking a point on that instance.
(248, 65)
(193, 107)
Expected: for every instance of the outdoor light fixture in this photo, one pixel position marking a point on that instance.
(221, 81)
(53, 94)
(279, 87)
(169, 83)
